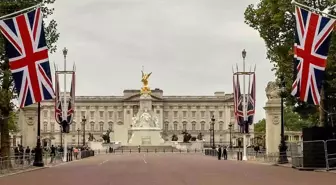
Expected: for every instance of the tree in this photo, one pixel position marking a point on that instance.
(7, 92)
(292, 121)
(275, 21)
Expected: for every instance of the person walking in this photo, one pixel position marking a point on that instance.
(225, 152)
(219, 152)
(52, 153)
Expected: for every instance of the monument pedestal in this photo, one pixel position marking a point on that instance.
(146, 136)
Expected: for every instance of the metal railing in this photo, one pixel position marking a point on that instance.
(16, 163)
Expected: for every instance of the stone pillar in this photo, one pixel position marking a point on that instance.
(273, 118)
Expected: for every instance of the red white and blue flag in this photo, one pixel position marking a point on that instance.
(251, 102)
(58, 102)
(312, 39)
(238, 100)
(26, 48)
(71, 104)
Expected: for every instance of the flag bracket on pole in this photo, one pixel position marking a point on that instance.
(313, 9)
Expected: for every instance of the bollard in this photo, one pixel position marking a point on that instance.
(147, 150)
(187, 150)
(131, 151)
(172, 150)
(195, 150)
(180, 150)
(122, 150)
(155, 150)
(164, 150)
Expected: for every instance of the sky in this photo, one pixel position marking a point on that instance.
(189, 45)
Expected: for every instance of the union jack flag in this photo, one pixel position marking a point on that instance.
(26, 49)
(58, 102)
(238, 99)
(251, 102)
(71, 105)
(312, 39)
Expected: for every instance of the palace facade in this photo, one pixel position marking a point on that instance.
(175, 114)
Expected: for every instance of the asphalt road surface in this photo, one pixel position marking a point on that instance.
(166, 169)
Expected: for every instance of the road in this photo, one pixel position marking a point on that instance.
(166, 169)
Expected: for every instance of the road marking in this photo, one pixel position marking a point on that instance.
(103, 162)
(144, 159)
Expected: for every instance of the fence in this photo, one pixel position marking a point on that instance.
(21, 162)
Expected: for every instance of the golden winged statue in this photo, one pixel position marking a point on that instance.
(145, 89)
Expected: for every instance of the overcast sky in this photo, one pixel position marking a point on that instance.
(189, 45)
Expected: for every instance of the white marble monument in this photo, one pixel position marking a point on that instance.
(145, 125)
(273, 118)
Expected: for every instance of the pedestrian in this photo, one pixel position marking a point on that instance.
(27, 155)
(52, 153)
(225, 152)
(219, 153)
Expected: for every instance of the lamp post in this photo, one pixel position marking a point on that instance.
(78, 130)
(61, 136)
(230, 128)
(83, 122)
(213, 131)
(38, 161)
(282, 147)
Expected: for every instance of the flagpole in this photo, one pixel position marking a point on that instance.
(20, 11)
(244, 107)
(65, 52)
(311, 8)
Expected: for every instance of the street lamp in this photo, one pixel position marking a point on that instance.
(61, 136)
(230, 127)
(213, 131)
(83, 122)
(38, 161)
(282, 147)
(78, 130)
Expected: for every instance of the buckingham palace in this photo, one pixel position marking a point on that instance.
(175, 114)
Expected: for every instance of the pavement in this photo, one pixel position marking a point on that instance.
(166, 169)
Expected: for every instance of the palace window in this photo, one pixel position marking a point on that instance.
(45, 127)
(165, 114)
(221, 114)
(193, 126)
(52, 113)
(119, 114)
(175, 114)
(111, 126)
(193, 114)
(101, 127)
(220, 126)
(184, 114)
(175, 126)
(83, 114)
(212, 113)
(166, 127)
(45, 113)
(52, 127)
(110, 113)
(92, 126)
(184, 126)
(203, 126)
(92, 114)
(202, 114)
(101, 114)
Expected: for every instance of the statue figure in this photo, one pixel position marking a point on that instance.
(106, 137)
(145, 119)
(145, 89)
(200, 136)
(135, 121)
(91, 138)
(186, 136)
(174, 137)
(272, 90)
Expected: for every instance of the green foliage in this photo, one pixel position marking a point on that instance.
(275, 21)
(293, 121)
(260, 126)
